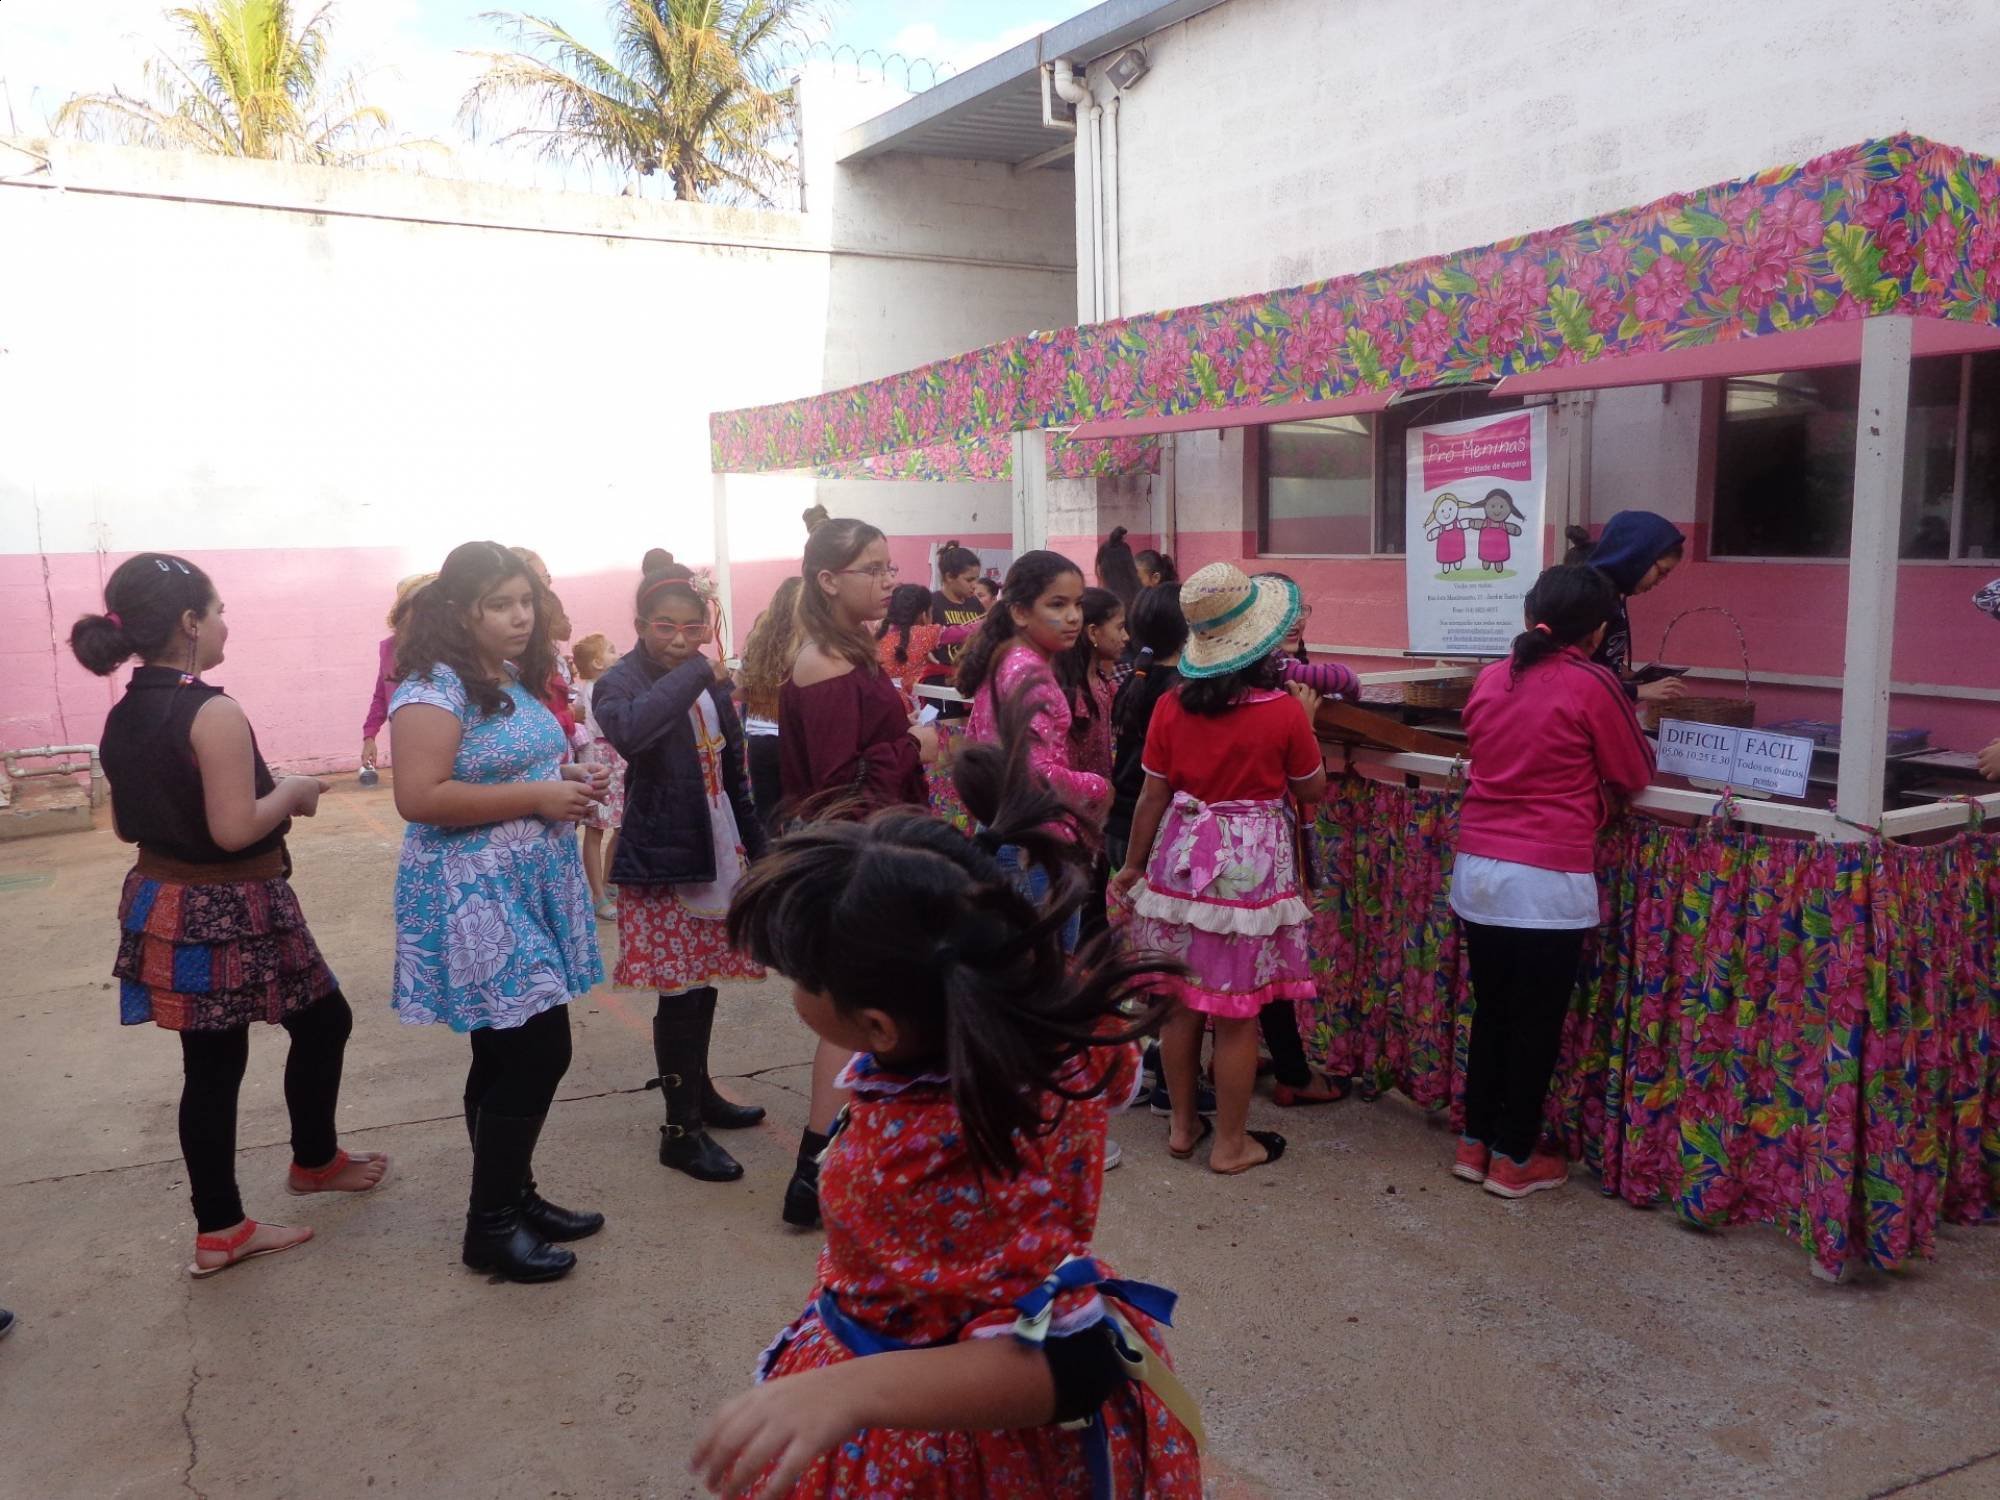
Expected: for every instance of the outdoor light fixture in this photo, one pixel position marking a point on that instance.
(1127, 68)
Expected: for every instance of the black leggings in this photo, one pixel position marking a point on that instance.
(766, 787)
(1522, 980)
(212, 1064)
(515, 1069)
(1279, 1022)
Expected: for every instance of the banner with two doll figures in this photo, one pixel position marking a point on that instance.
(1474, 542)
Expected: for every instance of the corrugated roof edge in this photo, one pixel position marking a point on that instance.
(1099, 31)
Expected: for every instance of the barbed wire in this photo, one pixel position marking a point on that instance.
(886, 63)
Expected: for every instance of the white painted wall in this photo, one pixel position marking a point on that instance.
(1279, 141)
(365, 368)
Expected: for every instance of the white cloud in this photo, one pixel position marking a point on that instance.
(927, 39)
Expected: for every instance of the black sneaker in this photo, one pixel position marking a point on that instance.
(6, 1322)
(1163, 1104)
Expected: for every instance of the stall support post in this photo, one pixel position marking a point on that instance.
(1031, 491)
(1880, 430)
(724, 595)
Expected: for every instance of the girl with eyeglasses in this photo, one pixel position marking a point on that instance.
(689, 832)
(847, 746)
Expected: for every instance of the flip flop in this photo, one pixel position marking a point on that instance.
(231, 1245)
(1270, 1140)
(1207, 1130)
(1326, 1090)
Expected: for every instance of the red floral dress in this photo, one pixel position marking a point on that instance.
(923, 1249)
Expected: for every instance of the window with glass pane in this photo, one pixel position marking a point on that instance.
(1784, 465)
(1318, 486)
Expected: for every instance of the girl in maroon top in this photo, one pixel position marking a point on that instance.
(846, 745)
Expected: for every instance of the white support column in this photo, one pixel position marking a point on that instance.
(1031, 491)
(1170, 495)
(1880, 428)
(724, 594)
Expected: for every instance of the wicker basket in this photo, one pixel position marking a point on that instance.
(1448, 692)
(1737, 713)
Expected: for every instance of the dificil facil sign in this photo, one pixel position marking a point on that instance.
(1747, 759)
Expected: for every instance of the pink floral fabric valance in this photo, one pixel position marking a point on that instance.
(1767, 1030)
(1900, 225)
(992, 457)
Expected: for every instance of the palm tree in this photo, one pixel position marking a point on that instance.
(687, 92)
(252, 83)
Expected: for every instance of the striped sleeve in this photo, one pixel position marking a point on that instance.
(1623, 754)
(1327, 678)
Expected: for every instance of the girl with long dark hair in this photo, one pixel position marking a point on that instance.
(494, 929)
(907, 643)
(848, 747)
(1039, 616)
(1088, 674)
(690, 831)
(211, 937)
(1550, 737)
(1116, 568)
(961, 1336)
(1213, 840)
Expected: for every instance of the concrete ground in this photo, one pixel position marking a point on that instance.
(1353, 1321)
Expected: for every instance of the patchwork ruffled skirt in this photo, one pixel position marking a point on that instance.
(212, 948)
(1222, 895)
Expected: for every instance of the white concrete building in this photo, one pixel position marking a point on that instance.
(1232, 147)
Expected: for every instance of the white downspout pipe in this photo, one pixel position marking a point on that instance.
(1090, 208)
(1114, 305)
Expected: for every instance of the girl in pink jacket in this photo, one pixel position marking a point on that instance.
(1551, 737)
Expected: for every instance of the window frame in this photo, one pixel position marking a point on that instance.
(1714, 406)
(1260, 495)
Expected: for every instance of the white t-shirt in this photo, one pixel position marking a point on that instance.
(1500, 893)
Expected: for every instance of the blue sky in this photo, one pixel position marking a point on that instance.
(414, 49)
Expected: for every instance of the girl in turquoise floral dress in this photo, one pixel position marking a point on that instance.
(494, 930)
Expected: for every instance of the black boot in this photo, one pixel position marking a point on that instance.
(802, 1192)
(552, 1222)
(685, 1144)
(496, 1236)
(716, 1110)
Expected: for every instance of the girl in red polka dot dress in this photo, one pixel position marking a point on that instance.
(962, 1339)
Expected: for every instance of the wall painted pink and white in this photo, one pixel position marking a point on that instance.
(315, 382)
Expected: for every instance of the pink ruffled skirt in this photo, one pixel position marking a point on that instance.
(1222, 895)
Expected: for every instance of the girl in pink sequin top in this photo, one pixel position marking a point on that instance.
(1040, 614)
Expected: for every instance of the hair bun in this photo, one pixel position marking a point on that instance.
(1118, 534)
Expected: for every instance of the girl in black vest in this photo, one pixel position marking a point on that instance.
(690, 831)
(211, 937)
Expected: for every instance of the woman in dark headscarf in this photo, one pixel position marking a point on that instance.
(1636, 552)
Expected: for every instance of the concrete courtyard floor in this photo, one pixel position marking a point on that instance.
(1353, 1321)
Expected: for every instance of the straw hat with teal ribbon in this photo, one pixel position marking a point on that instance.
(1234, 621)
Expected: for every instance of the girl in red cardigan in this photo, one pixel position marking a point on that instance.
(1550, 735)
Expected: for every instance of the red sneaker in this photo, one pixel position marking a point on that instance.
(1507, 1178)
(1471, 1162)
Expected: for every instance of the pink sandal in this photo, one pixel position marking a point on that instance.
(232, 1246)
(303, 1182)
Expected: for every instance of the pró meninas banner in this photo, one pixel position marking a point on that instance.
(1474, 529)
